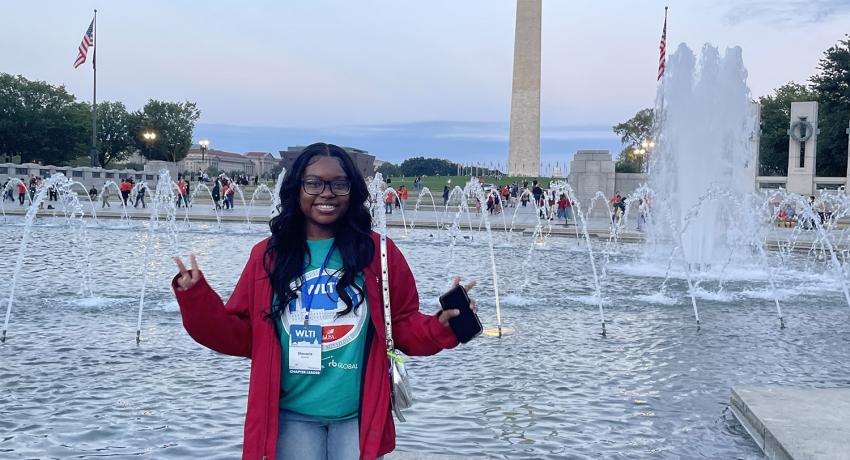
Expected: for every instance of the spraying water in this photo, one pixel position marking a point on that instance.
(704, 140)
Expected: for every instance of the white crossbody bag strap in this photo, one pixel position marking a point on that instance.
(402, 395)
(385, 282)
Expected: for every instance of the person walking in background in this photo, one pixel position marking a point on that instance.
(229, 194)
(225, 188)
(568, 210)
(22, 192)
(641, 223)
(32, 188)
(445, 195)
(8, 192)
(562, 207)
(216, 194)
(388, 202)
(183, 189)
(104, 198)
(140, 197)
(125, 188)
(403, 194)
(537, 193)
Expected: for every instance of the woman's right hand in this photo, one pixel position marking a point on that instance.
(187, 278)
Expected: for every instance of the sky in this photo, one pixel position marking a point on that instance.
(402, 78)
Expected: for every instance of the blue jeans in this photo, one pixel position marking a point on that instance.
(301, 437)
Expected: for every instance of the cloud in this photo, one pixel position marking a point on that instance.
(785, 11)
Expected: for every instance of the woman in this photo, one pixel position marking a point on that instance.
(216, 194)
(320, 267)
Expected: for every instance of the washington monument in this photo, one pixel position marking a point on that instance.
(524, 144)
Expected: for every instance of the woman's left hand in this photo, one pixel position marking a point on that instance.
(446, 315)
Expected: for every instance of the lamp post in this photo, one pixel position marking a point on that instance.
(646, 146)
(149, 137)
(204, 144)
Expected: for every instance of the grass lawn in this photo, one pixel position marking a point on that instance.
(436, 183)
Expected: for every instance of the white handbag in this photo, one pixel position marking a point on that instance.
(402, 395)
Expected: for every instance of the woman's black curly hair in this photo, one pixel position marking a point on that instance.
(287, 249)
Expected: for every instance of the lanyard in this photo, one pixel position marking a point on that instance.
(315, 286)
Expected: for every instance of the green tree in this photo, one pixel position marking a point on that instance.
(775, 120)
(115, 132)
(632, 133)
(41, 122)
(832, 83)
(173, 122)
(275, 171)
(420, 166)
(389, 170)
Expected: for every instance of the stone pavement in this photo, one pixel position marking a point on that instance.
(796, 423)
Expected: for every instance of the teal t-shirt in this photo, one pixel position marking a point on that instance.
(334, 394)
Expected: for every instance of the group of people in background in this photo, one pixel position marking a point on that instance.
(27, 189)
(223, 192)
(790, 214)
(550, 205)
(397, 200)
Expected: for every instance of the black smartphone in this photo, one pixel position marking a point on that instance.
(466, 326)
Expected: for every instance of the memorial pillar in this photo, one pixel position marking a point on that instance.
(802, 147)
(754, 163)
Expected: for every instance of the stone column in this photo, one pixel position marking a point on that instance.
(752, 166)
(801, 155)
(524, 144)
(592, 171)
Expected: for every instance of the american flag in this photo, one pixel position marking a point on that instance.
(88, 40)
(663, 47)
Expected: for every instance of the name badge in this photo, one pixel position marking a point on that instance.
(305, 349)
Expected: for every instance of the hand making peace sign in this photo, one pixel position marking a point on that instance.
(187, 278)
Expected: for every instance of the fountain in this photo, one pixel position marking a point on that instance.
(712, 246)
(703, 141)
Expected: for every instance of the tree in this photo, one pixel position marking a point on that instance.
(775, 120)
(275, 171)
(115, 132)
(832, 84)
(389, 170)
(632, 133)
(173, 122)
(41, 122)
(420, 166)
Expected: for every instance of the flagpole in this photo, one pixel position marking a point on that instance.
(659, 117)
(665, 53)
(95, 161)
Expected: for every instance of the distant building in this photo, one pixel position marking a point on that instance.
(221, 160)
(264, 163)
(362, 160)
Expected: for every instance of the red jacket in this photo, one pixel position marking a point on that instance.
(239, 328)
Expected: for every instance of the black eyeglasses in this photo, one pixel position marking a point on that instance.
(317, 186)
